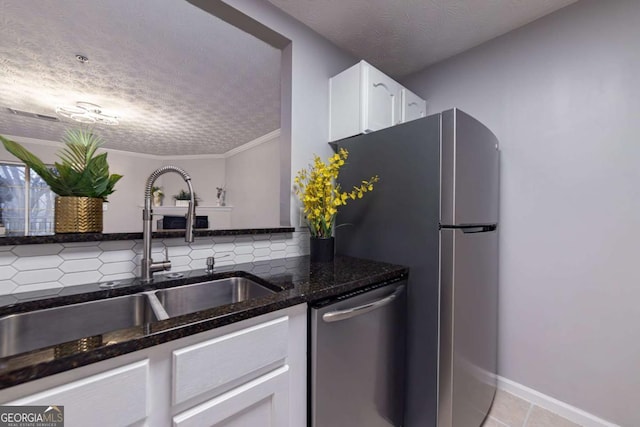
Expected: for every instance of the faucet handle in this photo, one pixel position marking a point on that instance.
(166, 253)
(211, 262)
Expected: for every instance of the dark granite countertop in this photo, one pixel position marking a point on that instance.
(296, 280)
(21, 239)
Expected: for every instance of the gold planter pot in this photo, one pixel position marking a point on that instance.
(78, 215)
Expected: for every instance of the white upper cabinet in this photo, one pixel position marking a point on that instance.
(413, 107)
(381, 103)
(363, 99)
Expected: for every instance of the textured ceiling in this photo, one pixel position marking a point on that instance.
(181, 80)
(404, 36)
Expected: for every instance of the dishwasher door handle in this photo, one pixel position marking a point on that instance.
(336, 316)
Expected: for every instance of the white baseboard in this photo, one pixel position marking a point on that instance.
(563, 409)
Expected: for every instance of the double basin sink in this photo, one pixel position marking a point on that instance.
(37, 329)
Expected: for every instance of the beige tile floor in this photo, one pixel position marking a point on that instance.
(511, 411)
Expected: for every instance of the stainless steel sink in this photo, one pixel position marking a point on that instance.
(42, 328)
(201, 296)
(84, 323)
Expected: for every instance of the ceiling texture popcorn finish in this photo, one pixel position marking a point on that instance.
(181, 81)
(404, 36)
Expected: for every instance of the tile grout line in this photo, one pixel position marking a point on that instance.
(526, 418)
(499, 421)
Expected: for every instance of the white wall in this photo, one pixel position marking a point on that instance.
(313, 60)
(253, 185)
(563, 96)
(124, 211)
(206, 174)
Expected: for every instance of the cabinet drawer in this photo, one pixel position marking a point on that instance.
(261, 402)
(116, 397)
(239, 356)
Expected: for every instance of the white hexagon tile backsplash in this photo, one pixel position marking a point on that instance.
(52, 267)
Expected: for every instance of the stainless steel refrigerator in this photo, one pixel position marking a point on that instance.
(435, 210)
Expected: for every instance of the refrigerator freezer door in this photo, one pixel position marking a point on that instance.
(469, 171)
(468, 327)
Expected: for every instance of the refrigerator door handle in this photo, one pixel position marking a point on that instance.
(336, 316)
(468, 229)
(478, 229)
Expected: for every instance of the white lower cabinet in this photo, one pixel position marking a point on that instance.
(116, 397)
(248, 374)
(229, 359)
(261, 402)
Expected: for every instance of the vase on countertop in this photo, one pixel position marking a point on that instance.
(78, 214)
(321, 249)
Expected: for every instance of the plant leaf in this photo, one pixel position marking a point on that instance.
(80, 171)
(29, 159)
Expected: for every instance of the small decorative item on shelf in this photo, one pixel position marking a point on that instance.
(158, 195)
(321, 197)
(81, 180)
(221, 195)
(183, 197)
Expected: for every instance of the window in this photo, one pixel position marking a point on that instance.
(26, 202)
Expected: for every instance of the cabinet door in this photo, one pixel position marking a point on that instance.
(381, 100)
(229, 358)
(413, 107)
(261, 402)
(116, 397)
(345, 104)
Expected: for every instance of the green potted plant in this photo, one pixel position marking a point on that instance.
(183, 197)
(80, 178)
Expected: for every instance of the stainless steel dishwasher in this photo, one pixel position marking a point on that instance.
(357, 358)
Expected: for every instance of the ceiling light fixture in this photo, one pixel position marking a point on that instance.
(86, 112)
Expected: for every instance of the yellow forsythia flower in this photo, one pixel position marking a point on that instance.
(321, 195)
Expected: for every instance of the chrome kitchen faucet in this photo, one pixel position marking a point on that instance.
(148, 266)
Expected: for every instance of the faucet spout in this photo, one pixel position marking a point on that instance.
(191, 214)
(148, 266)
